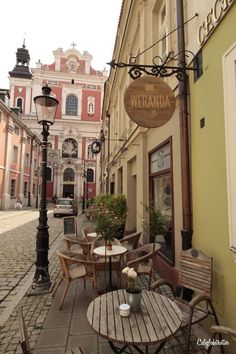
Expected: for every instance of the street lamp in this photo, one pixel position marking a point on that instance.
(46, 107)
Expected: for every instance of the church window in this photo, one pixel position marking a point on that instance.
(90, 175)
(70, 148)
(69, 175)
(48, 174)
(19, 103)
(90, 153)
(91, 105)
(71, 105)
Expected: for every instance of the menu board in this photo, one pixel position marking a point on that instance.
(69, 226)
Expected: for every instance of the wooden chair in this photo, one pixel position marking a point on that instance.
(86, 230)
(24, 339)
(74, 245)
(74, 266)
(218, 331)
(195, 273)
(131, 241)
(142, 259)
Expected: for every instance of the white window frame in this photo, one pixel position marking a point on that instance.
(91, 101)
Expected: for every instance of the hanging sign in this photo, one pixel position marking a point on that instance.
(149, 102)
(96, 147)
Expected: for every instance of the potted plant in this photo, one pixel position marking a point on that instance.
(134, 293)
(109, 215)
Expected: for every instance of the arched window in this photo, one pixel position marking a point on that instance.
(19, 103)
(70, 148)
(71, 105)
(69, 175)
(91, 105)
(48, 174)
(90, 175)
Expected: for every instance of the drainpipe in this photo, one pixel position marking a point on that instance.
(186, 233)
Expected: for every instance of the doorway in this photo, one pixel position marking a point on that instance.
(68, 191)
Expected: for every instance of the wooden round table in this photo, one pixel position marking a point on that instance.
(158, 320)
(104, 252)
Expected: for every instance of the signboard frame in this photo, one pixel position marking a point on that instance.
(69, 226)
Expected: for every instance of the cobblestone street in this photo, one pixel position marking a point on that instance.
(17, 258)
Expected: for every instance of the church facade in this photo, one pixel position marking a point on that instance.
(72, 168)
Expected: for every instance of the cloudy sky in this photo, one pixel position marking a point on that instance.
(49, 24)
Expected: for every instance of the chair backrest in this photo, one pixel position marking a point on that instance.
(195, 271)
(24, 339)
(131, 239)
(87, 229)
(64, 266)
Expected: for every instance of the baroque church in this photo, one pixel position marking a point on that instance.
(72, 168)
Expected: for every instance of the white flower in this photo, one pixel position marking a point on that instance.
(125, 270)
(132, 274)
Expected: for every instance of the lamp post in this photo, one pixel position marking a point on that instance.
(46, 106)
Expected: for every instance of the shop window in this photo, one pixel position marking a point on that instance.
(161, 195)
(69, 175)
(13, 188)
(71, 105)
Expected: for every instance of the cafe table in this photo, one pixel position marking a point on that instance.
(104, 252)
(158, 320)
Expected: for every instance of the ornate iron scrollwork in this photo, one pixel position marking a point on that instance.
(155, 69)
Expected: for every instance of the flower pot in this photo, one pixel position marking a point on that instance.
(109, 246)
(134, 297)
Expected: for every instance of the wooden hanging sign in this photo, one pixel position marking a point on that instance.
(149, 102)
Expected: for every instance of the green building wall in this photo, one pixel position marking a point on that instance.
(208, 160)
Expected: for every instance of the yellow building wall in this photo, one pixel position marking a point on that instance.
(209, 188)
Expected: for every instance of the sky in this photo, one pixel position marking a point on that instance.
(49, 24)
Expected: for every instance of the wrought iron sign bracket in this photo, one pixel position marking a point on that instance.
(157, 70)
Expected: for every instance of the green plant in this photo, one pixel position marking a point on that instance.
(109, 215)
(158, 221)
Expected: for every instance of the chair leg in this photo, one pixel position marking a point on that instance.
(64, 295)
(56, 287)
(189, 330)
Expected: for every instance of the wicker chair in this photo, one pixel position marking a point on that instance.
(131, 241)
(142, 259)
(195, 273)
(75, 245)
(86, 230)
(74, 266)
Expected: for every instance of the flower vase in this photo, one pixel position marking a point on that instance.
(134, 297)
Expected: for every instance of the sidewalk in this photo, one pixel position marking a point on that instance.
(57, 332)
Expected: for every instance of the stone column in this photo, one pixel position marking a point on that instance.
(8, 157)
(22, 166)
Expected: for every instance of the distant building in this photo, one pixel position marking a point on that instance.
(19, 158)
(72, 167)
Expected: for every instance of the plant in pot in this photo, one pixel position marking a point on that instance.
(134, 293)
(109, 215)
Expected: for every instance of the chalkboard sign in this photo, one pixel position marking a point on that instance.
(69, 226)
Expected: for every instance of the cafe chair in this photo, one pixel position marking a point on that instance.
(24, 338)
(195, 273)
(142, 260)
(76, 245)
(86, 230)
(131, 241)
(217, 331)
(74, 266)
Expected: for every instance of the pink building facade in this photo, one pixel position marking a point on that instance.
(19, 159)
(73, 170)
